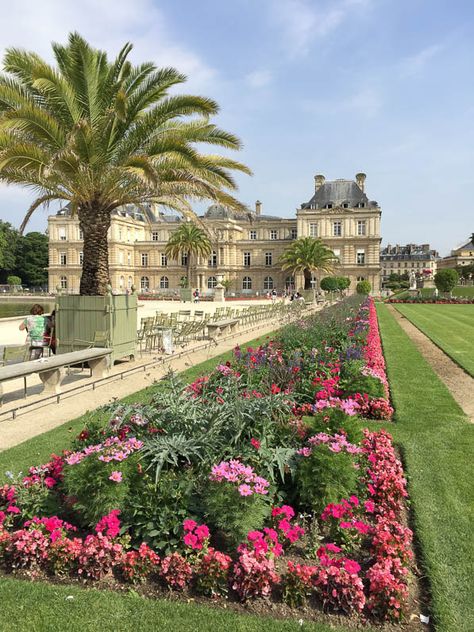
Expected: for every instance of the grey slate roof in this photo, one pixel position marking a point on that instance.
(338, 193)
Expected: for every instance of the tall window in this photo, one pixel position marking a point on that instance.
(360, 257)
(247, 283)
(361, 278)
(184, 259)
(252, 234)
(164, 260)
(81, 258)
(144, 259)
(273, 234)
(120, 257)
(290, 282)
(293, 233)
(268, 258)
(63, 258)
(212, 261)
(337, 229)
(246, 259)
(120, 234)
(164, 283)
(268, 283)
(80, 234)
(130, 282)
(313, 230)
(361, 227)
(211, 282)
(144, 283)
(62, 233)
(155, 235)
(122, 282)
(129, 258)
(63, 282)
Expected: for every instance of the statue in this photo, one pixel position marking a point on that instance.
(412, 280)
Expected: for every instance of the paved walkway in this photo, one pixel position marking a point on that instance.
(460, 384)
(45, 415)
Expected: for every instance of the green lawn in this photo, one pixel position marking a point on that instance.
(451, 327)
(464, 291)
(437, 444)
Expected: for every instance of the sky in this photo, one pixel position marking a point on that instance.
(330, 87)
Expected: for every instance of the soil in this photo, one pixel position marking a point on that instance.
(459, 383)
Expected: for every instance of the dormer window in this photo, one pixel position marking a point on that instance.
(345, 205)
(361, 205)
(328, 205)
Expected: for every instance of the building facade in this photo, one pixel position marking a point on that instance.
(246, 248)
(463, 255)
(401, 260)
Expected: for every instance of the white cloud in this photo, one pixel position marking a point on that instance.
(415, 63)
(259, 78)
(303, 21)
(107, 24)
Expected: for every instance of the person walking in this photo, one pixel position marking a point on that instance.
(35, 325)
(196, 295)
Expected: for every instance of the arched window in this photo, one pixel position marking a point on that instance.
(63, 282)
(122, 282)
(247, 283)
(164, 283)
(130, 282)
(361, 278)
(290, 282)
(212, 261)
(268, 283)
(144, 283)
(211, 282)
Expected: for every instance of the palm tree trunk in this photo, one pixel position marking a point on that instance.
(188, 269)
(307, 279)
(94, 222)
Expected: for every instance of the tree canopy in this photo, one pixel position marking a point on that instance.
(99, 134)
(188, 240)
(308, 256)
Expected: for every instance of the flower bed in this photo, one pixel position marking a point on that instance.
(256, 481)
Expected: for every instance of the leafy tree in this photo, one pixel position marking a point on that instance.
(189, 240)
(226, 284)
(329, 284)
(8, 240)
(445, 280)
(32, 259)
(343, 283)
(363, 287)
(13, 280)
(100, 134)
(308, 255)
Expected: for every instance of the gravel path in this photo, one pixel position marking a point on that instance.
(460, 384)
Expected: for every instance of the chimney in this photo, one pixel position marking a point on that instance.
(360, 179)
(319, 180)
(258, 208)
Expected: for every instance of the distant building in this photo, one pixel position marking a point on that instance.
(463, 255)
(246, 247)
(420, 259)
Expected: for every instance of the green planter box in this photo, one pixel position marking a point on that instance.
(186, 294)
(78, 318)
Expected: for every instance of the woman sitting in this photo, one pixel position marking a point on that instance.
(35, 325)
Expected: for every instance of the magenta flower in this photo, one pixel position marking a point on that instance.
(245, 490)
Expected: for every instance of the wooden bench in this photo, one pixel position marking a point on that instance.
(51, 370)
(217, 327)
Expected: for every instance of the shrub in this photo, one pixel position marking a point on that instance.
(176, 571)
(137, 565)
(334, 420)
(329, 284)
(340, 587)
(13, 280)
(235, 500)
(445, 280)
(212, 573)
(253, 574)
(363, 287)
(343, 283)
(324, 476)
(298, 583)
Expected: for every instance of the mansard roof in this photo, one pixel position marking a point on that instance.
(338, 193)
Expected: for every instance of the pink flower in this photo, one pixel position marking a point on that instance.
(245, 490)
(369, 506)
(189, 525)
(351, 567)
(255, 443)
(116, 476)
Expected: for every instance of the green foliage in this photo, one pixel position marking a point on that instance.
(32, 259)
(329, 284)
(88, 482)
(363, 287)
(343, 283)
(233, 514)
(325, 477)
(190, 240)
(155, 512)
(13, 280)
(8, 241)
(334, 420)
(173, 451)
(445, 280)
(308, 255)
(354, 381)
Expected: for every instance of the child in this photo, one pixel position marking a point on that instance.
(35, 325)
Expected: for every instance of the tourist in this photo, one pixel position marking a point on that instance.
(196, 295)
(50, 334)
(35, 325)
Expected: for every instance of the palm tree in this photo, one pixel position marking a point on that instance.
(100, 134)
(308, 255)
(188, 240)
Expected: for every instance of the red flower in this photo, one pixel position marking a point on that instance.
(256, 443)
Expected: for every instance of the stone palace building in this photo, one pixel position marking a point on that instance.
(420, 259)
(246, 248)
